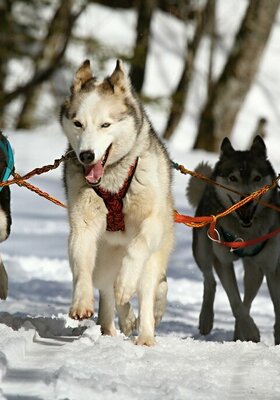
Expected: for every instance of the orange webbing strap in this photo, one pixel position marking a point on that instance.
(239, 243)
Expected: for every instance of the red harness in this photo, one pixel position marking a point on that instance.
(114, 202)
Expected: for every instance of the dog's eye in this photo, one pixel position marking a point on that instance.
(257, 178)
(233, 178)
(78, 124)
(105, 125)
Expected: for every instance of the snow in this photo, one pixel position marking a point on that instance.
(46, 355)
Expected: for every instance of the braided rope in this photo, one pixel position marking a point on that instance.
(194, 222)
(197, 175)
(198, 222)
(21, 180)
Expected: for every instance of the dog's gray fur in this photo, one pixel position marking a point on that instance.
(245, 172)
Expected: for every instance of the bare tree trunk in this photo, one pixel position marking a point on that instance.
(55, 43)
(181, 92)
(211, 16)
(229, 92)
(5, 25)
(138, 62)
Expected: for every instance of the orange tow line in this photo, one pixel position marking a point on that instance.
(193, 222)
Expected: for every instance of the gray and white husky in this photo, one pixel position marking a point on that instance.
(119, 203)
(244, 172)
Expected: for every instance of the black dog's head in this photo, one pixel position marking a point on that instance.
(244, 172)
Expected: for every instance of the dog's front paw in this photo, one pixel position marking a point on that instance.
(206, 319)
(125, 287)
(81, 310)
(143, 340)
(246, 330)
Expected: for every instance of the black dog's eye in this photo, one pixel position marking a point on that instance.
(257, 178)
(105, 125)
(78, 124)
(233, 178)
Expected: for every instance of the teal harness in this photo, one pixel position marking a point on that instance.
(6, 148)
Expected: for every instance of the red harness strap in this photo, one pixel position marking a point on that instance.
(114, 202)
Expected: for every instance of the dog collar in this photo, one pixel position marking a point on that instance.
(243, 252)
(114, 202)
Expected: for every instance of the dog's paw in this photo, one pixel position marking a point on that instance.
(128, 326)
(246, 330)
(144, 340)
(206, 319)
(108, 331)
(81, 310)
(125, 287)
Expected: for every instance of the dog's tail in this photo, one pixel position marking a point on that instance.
(196, 186)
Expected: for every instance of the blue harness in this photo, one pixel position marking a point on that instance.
(5, 147)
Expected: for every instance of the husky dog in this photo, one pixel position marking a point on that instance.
(243, 172)
(119, 203)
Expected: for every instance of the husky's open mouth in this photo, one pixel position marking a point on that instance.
(246, 213)
(94, 172)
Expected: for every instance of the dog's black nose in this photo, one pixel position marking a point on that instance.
(87, 156)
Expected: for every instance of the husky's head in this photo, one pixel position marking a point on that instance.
(244, 172)
(101, 119)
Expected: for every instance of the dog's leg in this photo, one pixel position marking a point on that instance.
(160, 303)
(5, 213)
(106, 312)
(253, 277)
(206, 316)
(3, 281)
(82, 252)
(147, 291)
(127, 319)
(139, 250)
(246, 328)
(202, 250)
(273, 283)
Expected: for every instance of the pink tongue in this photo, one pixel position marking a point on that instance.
(94, 172)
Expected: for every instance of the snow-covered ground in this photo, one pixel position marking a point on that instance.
(44, 354)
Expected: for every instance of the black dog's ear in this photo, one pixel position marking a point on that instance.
(259, 147)
(226, 147)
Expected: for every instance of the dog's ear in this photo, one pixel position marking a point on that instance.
(119, 79)
(259, 147)
(226, 147)
(82, 75)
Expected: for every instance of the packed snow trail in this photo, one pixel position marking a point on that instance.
(45, 355)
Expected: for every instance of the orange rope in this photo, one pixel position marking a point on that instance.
(198, 222)
(20, 182)
(194, 222)
(210, 181)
